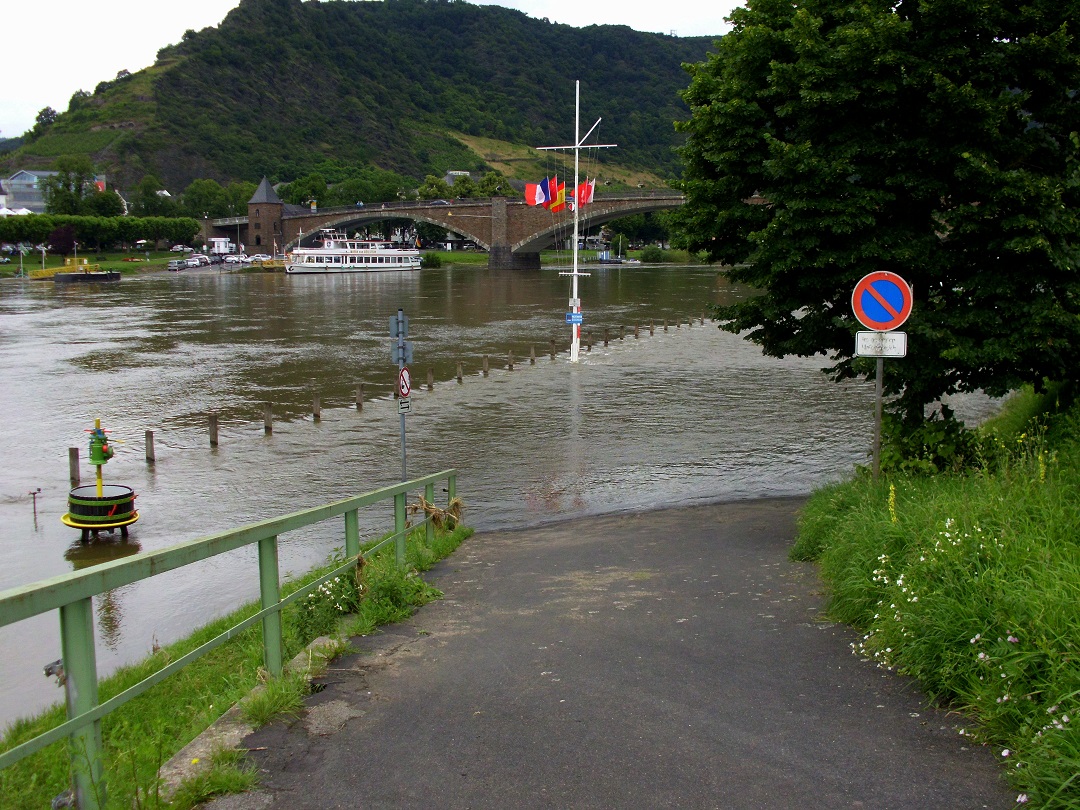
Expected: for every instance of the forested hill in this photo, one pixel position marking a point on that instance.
(282, 85)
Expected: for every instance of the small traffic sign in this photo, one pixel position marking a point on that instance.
(882, 301)
(404, 384)
(881, 344)
(404, 405)
(573, 317)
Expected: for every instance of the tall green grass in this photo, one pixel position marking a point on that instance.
(142, 735)
(971, 583)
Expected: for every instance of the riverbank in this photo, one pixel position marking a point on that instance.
(969, 582)
(140, 736)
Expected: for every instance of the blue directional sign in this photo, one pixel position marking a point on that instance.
(573, 317)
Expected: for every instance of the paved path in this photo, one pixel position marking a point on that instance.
(668, 659)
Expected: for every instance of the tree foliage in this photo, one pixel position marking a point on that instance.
(66, 191)
(933, 138)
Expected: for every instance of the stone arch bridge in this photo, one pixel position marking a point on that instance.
(512, 232)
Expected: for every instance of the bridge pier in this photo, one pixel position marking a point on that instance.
(500, 257)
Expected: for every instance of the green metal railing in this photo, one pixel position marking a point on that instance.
(72, 593)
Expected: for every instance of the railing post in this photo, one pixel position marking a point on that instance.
(429, 496)
(399, 528)
(81, 689)
(270, 594)
(352, 534)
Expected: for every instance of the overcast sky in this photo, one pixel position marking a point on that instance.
(55, 47)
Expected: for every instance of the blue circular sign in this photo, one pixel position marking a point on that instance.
(882, 301)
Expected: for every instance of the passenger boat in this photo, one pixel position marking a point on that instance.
(338, 253)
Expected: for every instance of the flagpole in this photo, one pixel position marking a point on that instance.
(575, 301)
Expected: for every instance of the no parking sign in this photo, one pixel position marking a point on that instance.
(882, 301)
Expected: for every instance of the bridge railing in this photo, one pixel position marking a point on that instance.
(71, 595)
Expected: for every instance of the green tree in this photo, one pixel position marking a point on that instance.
(102, 204)
(204, 198)
(236, 197)
(148, 202)
(65, 191)
(434, 188)
(45, 118)
(937, 140)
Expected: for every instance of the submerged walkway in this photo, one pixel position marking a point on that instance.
(668, 659)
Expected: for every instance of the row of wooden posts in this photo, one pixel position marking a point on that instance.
(316, 405)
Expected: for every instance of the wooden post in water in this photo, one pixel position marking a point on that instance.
(212, 419)
(359, 396)
(510, 361)
(652, 328)
(622, 331)
(459, 371)
(532, 355)
(316, 404)
(268, 417)
(73, 465)
(665, 324)
(552, 349)
(635, 331)
(150, 458)
(702, 318)
(605, 336)
(678, 323)
(485, 365)
(430, 379)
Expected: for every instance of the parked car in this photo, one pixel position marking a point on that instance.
(181, 249)
(260, 257)
(177, 264)
(201, 258)
(237, 258)
(192, 262)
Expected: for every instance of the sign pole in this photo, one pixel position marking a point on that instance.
(877, 418)
(401, 352)
(882, 301)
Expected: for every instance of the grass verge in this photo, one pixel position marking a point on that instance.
(971, 583)
(142, 735)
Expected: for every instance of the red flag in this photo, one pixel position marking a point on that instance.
(585, 192)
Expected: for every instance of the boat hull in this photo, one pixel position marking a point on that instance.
(87, 277)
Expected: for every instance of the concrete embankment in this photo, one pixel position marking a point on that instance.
(667, 659)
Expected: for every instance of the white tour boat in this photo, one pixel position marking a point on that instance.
(340, 254)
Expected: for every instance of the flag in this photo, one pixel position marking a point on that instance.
(585, 192)
(558, 195)
(537, 193)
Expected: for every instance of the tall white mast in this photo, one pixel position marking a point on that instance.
(575, 301)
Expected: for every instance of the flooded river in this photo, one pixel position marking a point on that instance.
(684, 416)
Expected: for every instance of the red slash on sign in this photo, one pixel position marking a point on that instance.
(404, 383)
(882, 301)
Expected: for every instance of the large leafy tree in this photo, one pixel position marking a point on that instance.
(936, 139)
(66, 191)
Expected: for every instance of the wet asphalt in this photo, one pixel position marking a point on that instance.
(674, 658)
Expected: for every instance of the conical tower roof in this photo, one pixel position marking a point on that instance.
(265, 194)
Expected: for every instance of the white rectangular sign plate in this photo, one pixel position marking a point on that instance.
(404, 405)
(881, 344)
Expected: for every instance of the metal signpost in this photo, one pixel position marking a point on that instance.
(882, 301)
(401, 353)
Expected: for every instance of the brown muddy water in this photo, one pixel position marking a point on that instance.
(689, 415)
